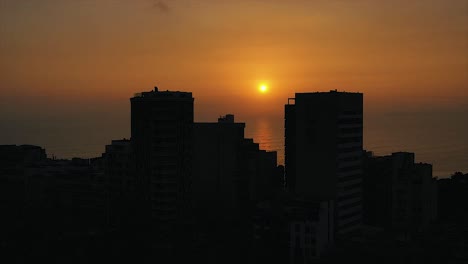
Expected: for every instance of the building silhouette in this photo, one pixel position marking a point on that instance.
(50, 207)
(453, 192)
(179, 191)
(297, 230)
(230, 175)
(217, 149)
(161, 138)
(399, 194)
(15, 163)
(323, 152)
(186, 184)
(120, 178)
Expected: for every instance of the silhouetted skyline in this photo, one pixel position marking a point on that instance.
(180, 190)
(292, 132)
(68, 64)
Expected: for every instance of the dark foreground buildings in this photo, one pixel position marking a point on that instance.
(231, 168)
(51, 209)
(399, 194)
(230, 175)
(323, 153)
(161, 140)
(190, 184)
(181, 191)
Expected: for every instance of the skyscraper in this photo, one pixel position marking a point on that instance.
(161, 130)
(323, 152)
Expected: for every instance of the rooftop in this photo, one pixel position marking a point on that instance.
(331, 92)
(161, 94)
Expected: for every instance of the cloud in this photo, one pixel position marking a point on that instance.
(161, 6)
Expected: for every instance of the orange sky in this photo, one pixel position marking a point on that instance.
(88, 55)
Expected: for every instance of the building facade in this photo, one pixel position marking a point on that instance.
(161, 135)
(399, 194)
(229, 171)
(119, 168)
(216, 168)
(323, 152)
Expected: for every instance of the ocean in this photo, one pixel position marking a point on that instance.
(440, 139)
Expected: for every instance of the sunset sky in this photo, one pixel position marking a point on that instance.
(83, 59)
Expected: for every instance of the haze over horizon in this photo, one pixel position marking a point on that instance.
(69, 67)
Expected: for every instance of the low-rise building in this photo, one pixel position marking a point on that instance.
(294, 230)
(399, 194)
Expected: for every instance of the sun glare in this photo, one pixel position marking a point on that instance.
(263, 88)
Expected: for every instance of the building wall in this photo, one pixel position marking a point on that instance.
(161, 134)
(65, 195)
(216, 164)
(310, 229)
(405, 196)
(266, 182)
(290, 146)
(324, 152)
(229, 171)
(120, 182)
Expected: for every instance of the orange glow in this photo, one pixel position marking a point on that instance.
(224, 60)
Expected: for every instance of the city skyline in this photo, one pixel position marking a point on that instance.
(268, 133)
(68, 65)
(180, 189)
(220, 131)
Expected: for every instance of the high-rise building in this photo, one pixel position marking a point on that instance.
(161, 131)
(323, 152)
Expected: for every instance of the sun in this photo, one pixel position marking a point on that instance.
(263, 88)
